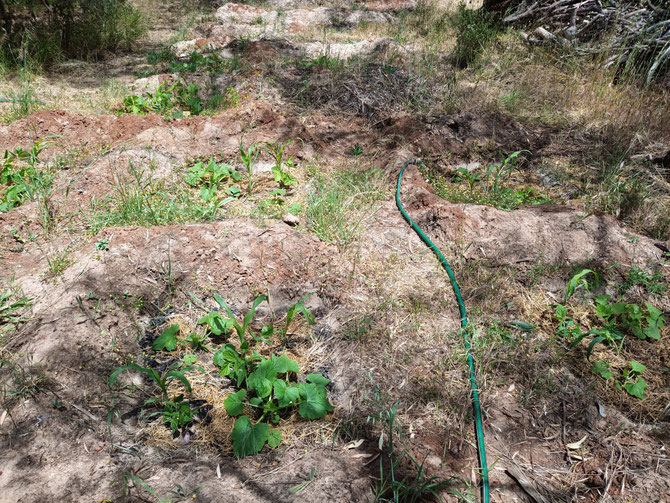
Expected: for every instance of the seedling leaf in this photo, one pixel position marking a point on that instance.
(275, 438)
(233, 403)
(636, 388)
(317, 379)
(167, 340)
(249, 438)
(314, 404)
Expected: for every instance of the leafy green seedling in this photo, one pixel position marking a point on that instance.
(276, 151)
(356, 150)
(578, 281)
(298, 307)
(265, 384)
(634, 384)
(167, 340)
(177, 412)
(471, 177)
(249, 155)
(102, 244)
(503, 169)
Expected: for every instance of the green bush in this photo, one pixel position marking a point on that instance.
(44, 32)
(475, 29)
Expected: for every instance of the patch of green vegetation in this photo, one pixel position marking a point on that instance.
(141, 200)
(13, 307)
(276, 151)
(165, 61)
(210, 177)
(176, 412)
(177, 99)
(490, 190)
(39, 34)
(23, 178)
(475, 30)
(337, 201)
(404, 479)
(275, 206)
(265, 384)
(652, 282)
(618, 320)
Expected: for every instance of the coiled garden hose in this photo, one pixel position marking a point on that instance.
(479, 429)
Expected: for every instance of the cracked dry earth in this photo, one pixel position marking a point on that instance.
(60, 444)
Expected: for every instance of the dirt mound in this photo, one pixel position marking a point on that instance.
(77, 324)
(554, 234)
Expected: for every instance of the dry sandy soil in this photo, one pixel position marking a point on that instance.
(386, 321)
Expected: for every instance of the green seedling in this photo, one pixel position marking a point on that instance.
(169, 98)
(631, 380)
(471, 177)
(501, 170)
(102, 244)
(265, 384)
(577, 282)
(210, 177)
(298, 307)
(408, 488)
(276, 151)
(168, 340)
(356, 151)
(175, 411)
(249, 155)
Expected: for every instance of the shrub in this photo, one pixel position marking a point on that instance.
(50, 30)
(475, 30)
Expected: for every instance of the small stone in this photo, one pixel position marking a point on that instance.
(291, 220)
(434, 461)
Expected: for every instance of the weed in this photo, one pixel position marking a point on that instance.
(13, 305)
(336, 201)
(22, 102)
(475, 30)
(356, 151)
(489, 190)
(141, 200)
(102, 244)
(165, 61)
(58, 261)
(410, 488)
(652, 282)
(23, 180)
(22, 382)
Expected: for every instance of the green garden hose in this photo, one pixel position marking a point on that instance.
(479, 429)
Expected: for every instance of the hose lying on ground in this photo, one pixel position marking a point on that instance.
(479, 429)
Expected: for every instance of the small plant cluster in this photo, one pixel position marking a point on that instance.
(618, 320)
(652, 282)
(489, 189)
(20, 176)
(176, 412)
(210, 177)
(169, 98)
(166, 61)
(266, 386)
(177, 99)
(13, 305)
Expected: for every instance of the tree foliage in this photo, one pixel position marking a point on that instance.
(48, 30)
